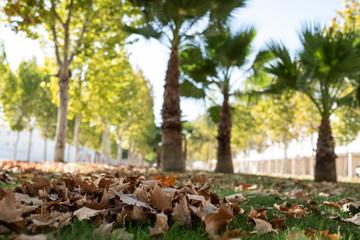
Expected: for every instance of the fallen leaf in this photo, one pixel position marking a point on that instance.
(331, 204)
(181, 213)
(167, 182)
(120, 233)
(104, 231)
(159, 200)
(10, 209)
(324, 234)
(31, 237)
(259, 214)
(262, 227)
(218, 220)
(161, 225)
(86, 213)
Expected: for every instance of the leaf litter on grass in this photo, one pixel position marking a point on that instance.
(48, 201)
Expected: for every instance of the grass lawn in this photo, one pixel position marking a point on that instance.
(260, 192)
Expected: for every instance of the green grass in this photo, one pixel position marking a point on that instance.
(225, 185)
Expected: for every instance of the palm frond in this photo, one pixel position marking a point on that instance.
(188, 89)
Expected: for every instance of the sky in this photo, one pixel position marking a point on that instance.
(278, 20)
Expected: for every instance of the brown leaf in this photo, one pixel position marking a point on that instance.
(31, 237)
(159, 200)
(331, 204)
(161, 225)
(235, 234)
(218, 220)
(181, 213)
(86, 213)
(238, 197)
(121, 234)
(263, 227)
(260, 214)
(167, 182)
(138, 214)
(104, 231)
(324, 234)
(278, 223)
(10, 209)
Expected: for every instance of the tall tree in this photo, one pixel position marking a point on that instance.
(69, 25)
(323, 71)
(175, 22)
(10, 98)
(223, 53)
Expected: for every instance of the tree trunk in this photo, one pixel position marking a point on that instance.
(29, 146)
(68, 153)
(16, 144)
(103, 142)
(185, 152)
(284, 167)
(62, 120)
(76, 136)
(224, 161)
(45, 142)
(325, 166)
(119, 152)
(108, 152)
(171, 155)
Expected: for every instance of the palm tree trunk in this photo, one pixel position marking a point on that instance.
(16, 144)
(224, 161)
(29, 145)
(171, 155)
(76, 136)
(61, 125)
(325, 166)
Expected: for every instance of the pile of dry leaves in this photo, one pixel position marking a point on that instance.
(49, 202)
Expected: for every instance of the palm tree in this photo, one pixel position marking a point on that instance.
(214, 66)
(175, 22)
(323, 71)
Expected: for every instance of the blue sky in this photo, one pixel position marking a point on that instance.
(279, 20)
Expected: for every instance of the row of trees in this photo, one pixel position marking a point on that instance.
(205, 54)
(110, 104)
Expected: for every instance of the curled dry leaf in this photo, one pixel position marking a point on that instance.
(86, 213)
(263, 226)
(104, 231)
(181, 213)
(10, 209)
(218, 220)
(31, 237)
(235, 234)
(278, 223)
(238, 197)
(259, 214)
(324, 234)
(122, 234)
(331, 204)
(354, 220)
(161, 225)
(159, 200)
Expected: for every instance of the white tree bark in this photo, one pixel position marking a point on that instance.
(68, 153)
(29, 145)
(76, 136)
(103, 142)
(16, 144)
(45, 149)
(119, 152)
(284, 167)
(108, 143)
